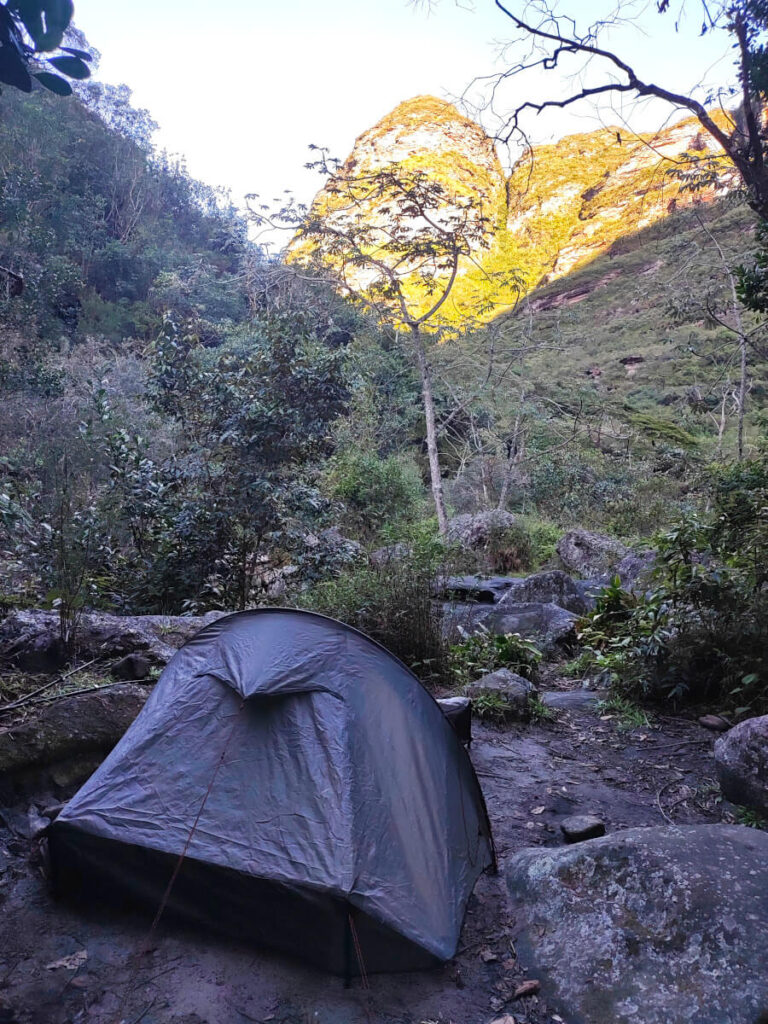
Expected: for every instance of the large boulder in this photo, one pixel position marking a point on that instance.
(30, 638)
(513, 690)
(590, 554)
(70, 728)
(551, 587)
(651, 925)
(549, 625)
(476, 531)
(741, 757)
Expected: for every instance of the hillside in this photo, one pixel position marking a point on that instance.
(562, 205)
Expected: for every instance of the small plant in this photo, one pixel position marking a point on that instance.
(579, 667)
(750, 818)
(485, 652)
(628, 714)
(539, 711)
(491, 707)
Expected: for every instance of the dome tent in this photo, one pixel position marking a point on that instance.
(320, 799)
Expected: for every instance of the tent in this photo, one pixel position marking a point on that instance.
(314, 795)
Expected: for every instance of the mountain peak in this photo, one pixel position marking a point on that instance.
(430, 134)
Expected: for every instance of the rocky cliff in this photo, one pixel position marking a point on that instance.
(562, 205)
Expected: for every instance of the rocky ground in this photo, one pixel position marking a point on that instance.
(59, 964)
(660, 920)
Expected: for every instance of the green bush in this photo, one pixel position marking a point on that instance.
(522, 547)
(485, 652)
(394, 603)
(376, 492)
(702, 633)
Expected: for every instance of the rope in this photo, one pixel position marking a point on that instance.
(358, 953)
(144, 945)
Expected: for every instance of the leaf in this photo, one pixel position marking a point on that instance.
(82, 54)
(58, 15)
(71, 962)
(527, 988)
(13, 70)
(53, 83)
(73, 67)
(538, 810)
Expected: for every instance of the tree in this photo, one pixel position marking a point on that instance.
(397, 242)
(30, 29)
(743, 135)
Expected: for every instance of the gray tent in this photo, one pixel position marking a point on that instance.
(322, 803)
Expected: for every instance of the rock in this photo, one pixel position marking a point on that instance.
(634, 569)
(475, 531)
(572, 700)
(548, 625)
(29, 638)
(590, 554)
(132, 668)
(578, 827)
(382, 557)
(552, 587)
(477, 589)
(546, 622)
(515, 691)
(71, 727)
(715, 723)
(458, 711)
(741, 758)
(650, 925)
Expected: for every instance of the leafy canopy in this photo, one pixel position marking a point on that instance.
(31, 28)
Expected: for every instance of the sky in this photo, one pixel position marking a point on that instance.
(241, 88)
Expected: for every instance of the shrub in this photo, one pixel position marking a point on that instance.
(485, 652)
(703, 631)
(509, 549)
(394, 603)
(375, 491)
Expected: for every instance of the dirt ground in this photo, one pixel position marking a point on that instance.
(59, 964)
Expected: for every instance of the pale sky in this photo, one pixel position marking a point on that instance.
(242, 87)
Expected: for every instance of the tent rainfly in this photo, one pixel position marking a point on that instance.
(309, 791)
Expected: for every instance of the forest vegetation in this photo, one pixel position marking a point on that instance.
(189, 424)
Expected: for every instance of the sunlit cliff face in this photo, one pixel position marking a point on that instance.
(562, 205)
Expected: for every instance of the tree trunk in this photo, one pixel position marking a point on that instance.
(425, 373)
(742, 393)
(515, 453)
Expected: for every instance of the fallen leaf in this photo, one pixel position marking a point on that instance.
(487, 956)
(538, 810)
(528, 988)
(71, 962)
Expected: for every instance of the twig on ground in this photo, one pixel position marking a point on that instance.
(29, 698)
(664, 788)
